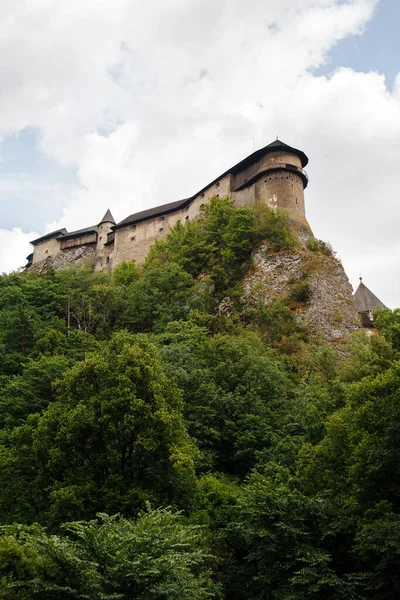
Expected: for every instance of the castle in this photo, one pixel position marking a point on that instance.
(274, 175)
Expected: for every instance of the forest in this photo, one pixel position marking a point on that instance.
(153, 447)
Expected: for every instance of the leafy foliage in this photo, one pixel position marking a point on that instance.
(156, 557)
(155, 384)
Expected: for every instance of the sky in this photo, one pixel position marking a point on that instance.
(125, 105)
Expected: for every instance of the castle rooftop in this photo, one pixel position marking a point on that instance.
(48, 236)
(108, 218)
(158, 211)
(78, 233)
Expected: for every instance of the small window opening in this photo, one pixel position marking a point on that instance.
(133, 238)
(162, 218)
(187, 218)
(161, 229)
(133, 226)
(217, 184)
(108, 259)
(202, 195)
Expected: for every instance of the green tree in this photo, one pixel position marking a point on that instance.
(114, 439)
(156, 557)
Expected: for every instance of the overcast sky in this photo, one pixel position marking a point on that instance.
(129, 104)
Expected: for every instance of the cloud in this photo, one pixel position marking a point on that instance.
(14, 247)
(152, 100)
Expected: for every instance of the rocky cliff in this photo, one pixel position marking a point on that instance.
(81, 256)
(314, 284)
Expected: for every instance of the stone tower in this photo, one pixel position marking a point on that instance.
(104, 250)
(275, 175)
(284, 180)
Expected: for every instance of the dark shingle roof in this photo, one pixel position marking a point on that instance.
(150, 213)
(108, 218)
(276, 146)
(365, 300)
(74, 234)
(48, 236)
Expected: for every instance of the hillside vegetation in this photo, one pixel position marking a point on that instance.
(154, 446)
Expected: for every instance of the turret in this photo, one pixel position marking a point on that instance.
(104, 248)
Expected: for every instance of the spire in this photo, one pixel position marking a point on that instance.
(108, 218)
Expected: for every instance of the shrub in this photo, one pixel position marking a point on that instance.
(315, 245)
(301, 291)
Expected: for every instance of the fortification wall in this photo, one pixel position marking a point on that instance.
(44, 249)
(282, 189)
(134, 241)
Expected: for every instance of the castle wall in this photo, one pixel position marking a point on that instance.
(44, 249)
(244, 197)
(133, 242)
(282, 189)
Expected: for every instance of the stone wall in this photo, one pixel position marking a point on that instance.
(135, 241)
(44, 249)
(81, 256)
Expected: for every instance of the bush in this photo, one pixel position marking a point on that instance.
(315, 245)
(301, 291)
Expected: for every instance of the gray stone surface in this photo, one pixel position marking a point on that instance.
(330, 309)
(78, 256)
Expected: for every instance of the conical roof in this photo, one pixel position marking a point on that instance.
(108, 218)
(365, 300)
(279, 146)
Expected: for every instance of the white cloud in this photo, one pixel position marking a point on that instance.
(14, 248)
(153, 100)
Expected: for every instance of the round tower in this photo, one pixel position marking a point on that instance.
(282, 180)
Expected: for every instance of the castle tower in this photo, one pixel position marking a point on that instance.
(104, 242)
(274, 175)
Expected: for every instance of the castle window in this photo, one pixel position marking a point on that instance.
(187, 218)
(161, 229)
(162, 218)
(100, 238)
(133, 238)
(108, 259)
(217, 184)
(46, 252)
(133, 226)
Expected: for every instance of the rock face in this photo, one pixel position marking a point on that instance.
(326, 304)
(80, 256)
